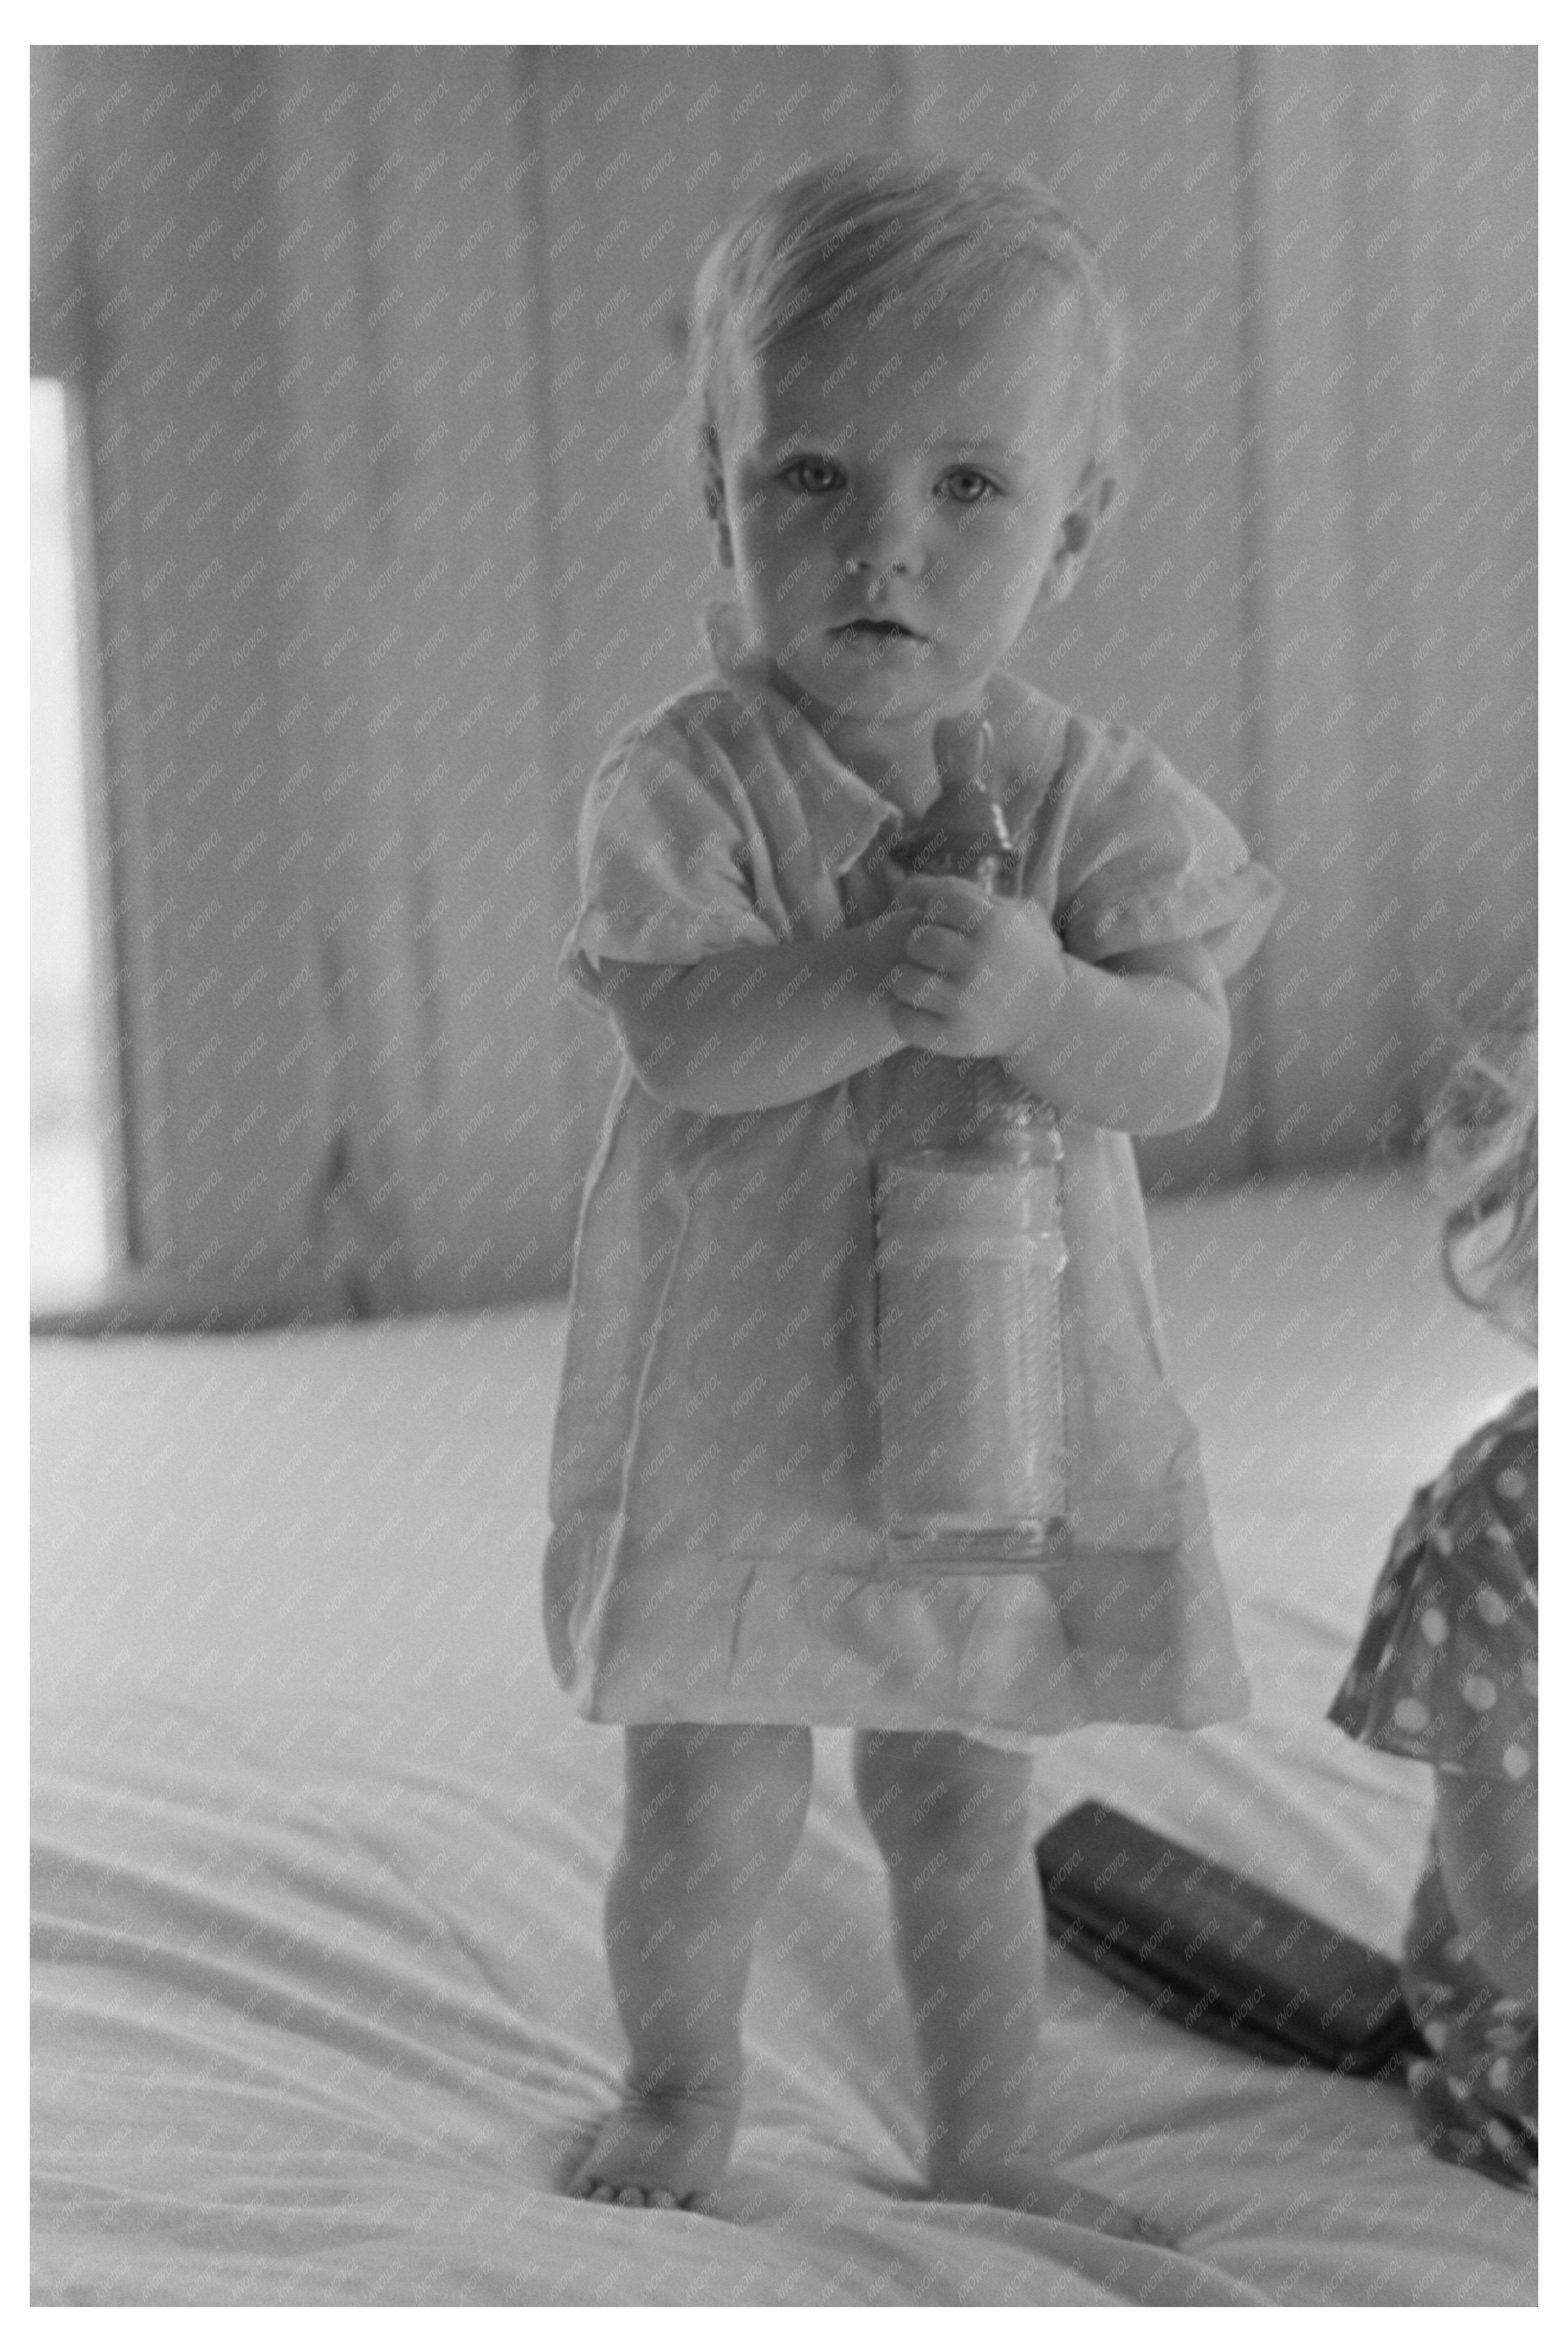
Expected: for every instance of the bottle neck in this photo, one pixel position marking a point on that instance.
(1007, 1121)
(964, 833)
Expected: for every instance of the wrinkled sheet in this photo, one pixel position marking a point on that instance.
(320, 2007)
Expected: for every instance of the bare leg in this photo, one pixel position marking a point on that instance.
(713, 1813)
(951, 1817)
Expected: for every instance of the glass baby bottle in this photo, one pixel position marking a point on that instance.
(969, 1259)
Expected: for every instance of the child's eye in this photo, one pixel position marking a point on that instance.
(815, 475)
(967, 487)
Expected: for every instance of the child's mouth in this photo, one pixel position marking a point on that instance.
(871, 632)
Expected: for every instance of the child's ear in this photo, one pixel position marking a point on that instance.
(1078, 529)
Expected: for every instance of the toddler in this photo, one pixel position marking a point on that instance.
(1447, 1668)
(903, 396)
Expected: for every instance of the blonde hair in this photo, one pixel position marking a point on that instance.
(872, 232)
(1479, 1146)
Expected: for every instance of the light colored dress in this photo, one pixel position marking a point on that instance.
(1447, 1672)
(717, 1551)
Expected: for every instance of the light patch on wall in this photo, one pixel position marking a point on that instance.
(70, 1247)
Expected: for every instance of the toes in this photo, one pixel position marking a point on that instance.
(660, 2156)
(612, 2192)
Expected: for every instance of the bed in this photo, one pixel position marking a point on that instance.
(321, 2009)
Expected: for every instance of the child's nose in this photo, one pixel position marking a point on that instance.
(886, 533)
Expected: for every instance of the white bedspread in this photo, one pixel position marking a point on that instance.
(321, 2009)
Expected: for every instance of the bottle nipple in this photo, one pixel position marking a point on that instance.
(963, 749)
(965, 830)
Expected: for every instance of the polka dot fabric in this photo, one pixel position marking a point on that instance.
(1446, 1672)
(1475, 2090)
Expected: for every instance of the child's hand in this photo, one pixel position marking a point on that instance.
(978, 975)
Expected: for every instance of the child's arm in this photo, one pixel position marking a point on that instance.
(1487, 1847)
(754, 1027)
(1137, 1043)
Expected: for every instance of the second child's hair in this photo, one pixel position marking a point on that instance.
(1479, 1149)
(871, 233)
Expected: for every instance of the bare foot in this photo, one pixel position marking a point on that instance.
(1030, 2185)
(665, 2149)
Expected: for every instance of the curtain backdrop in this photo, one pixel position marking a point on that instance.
(1321, 601)
(381, 354)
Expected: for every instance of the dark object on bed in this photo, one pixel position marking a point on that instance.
(1211, 1950)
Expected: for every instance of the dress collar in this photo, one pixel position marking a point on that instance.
(845, 814)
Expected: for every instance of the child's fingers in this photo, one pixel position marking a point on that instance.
(944, 899)
(924, 991)
(927, 1030)
(935, 947)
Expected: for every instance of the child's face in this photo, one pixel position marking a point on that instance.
(897, 496)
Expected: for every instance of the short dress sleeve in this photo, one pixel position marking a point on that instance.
(1446, 1671)
(665, 859)
(1148, 860)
